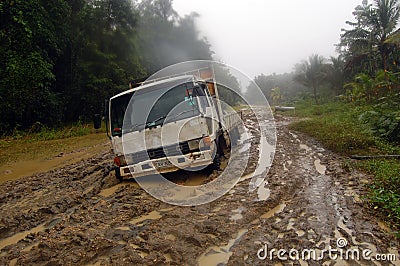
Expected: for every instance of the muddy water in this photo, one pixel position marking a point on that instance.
(17, 237)
(219, 255)
(272, 212)
(319, 167)
(29, 167)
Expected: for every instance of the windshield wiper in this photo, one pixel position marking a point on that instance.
(153, 123)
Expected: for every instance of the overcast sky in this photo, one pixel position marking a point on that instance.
(267, 36)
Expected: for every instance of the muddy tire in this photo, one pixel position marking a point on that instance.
(216, 164)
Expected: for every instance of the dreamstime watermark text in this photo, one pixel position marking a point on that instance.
(341, 252)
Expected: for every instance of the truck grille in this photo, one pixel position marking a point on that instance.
(171, 150)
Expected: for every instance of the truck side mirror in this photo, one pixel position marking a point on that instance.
(97, 121)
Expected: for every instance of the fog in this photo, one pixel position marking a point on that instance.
(265, 36)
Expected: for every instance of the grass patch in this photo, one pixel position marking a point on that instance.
(46, 143)
(338, 127)
(385, 191)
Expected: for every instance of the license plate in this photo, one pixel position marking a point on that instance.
(162, 164)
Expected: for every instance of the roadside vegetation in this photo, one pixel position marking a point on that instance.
(351, 103)
(60, 60)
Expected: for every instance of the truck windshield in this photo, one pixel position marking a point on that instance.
(165, 105)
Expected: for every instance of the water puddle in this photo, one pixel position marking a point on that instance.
(265, 160)
(19, 236)
(274, 211)
(266, 155)
(154, 215)
(321, 169)
(141, 253)
(124, 228)
(263, 192)
(109, 191)
(30, 247)
(14, 171)
(219, 255)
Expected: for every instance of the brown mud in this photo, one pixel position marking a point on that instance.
(79, 214)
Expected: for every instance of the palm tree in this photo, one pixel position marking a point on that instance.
(311, 73)
(368, 38)
(335, 74)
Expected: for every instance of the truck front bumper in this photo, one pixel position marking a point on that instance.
(165, 165)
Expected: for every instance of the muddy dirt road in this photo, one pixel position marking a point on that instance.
(81, 215)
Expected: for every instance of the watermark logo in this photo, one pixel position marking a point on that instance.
(341, 252)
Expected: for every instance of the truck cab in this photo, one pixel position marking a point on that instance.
(166, 125)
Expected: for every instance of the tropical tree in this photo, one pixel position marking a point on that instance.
(367, 41)
(335, 74)
(311, 73)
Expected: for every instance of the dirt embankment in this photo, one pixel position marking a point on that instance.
(79, 214)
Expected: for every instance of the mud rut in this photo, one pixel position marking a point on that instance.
(81, 215)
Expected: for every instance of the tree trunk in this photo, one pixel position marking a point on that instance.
(315, 94)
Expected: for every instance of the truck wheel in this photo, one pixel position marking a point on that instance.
(118, 174)
(216, 165)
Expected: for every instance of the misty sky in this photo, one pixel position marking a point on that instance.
(267, 36)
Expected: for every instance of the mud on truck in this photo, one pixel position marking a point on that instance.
(168, 124)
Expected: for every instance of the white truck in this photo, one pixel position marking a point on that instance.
(186, 126)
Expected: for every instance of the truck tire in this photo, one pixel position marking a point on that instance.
(216, 164)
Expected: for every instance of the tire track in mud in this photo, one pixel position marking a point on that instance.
(80, 214)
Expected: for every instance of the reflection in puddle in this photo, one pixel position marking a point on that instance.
(321, 169)
(19, 236)
(218, 255)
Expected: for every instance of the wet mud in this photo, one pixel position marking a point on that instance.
(80, 215)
